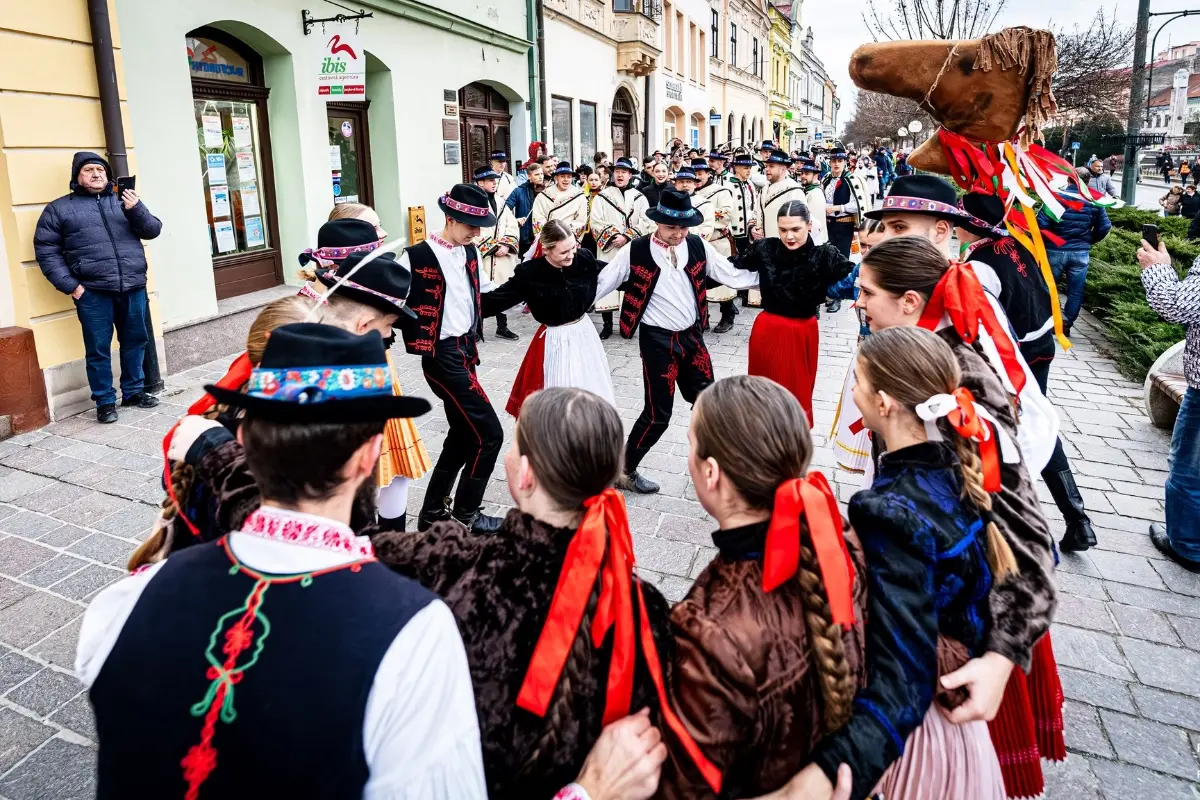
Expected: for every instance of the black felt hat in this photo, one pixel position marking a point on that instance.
(675, 208)
(563, 168)
(318, 373)
(484, 173)
(700, 164)
(499, 155)
(382, 283)
(984, 214)
(837, 152)
(339, 238)
(920, 194)
(468, 204)
(624, 163)
(778, 156)
(687, 174)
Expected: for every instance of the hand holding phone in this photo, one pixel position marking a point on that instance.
(126, 183)
(1150, 234)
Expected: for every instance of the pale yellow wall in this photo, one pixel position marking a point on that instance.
(49, 108)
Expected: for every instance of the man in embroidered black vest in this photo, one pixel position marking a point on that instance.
(444, 295)
(664, 278)
(282, 660)
(845, 199)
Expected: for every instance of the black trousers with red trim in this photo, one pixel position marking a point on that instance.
(475, 437)
(669, 358)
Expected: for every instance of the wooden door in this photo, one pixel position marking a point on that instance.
(620, 136)
(483, 128)
(350, 169)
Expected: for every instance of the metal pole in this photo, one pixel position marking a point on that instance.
(114, 143)
(1129, 174)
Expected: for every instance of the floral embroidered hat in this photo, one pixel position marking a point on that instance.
(318, 373)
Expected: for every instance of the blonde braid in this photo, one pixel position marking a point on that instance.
(829, 648)
(1000, 555)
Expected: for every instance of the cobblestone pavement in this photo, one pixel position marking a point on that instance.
(76, 497)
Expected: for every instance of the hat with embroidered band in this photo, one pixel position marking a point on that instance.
(767, 145)
(717, 155)
(339, 238)
(984, 214)
(498, 155)
(675, 208)
(468, 204)
(778, 157)
(485, 173)
(686, 174)
(381, 283)
(808, 165)
(318, 373)
(563, 168)
(624, 163)
(920, 194)
(837, 152)
(743, 160)
(700, 164)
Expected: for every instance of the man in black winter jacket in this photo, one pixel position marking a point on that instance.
(89, 246)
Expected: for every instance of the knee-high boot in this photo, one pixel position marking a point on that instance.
(1079, 535)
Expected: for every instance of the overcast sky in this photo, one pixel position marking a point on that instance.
(838, 27)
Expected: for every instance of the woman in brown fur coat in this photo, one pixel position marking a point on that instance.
(509, 590)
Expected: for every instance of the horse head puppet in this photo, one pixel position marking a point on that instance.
(978, 88)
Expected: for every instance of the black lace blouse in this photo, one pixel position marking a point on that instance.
(794, 283)
(555, 296)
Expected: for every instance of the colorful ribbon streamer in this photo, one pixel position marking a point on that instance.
(603, 548)
(812, 499)
(960, 410)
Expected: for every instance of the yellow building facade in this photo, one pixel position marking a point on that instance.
(49, 109)
(781, 49)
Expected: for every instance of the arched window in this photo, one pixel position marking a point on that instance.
(622, 124)
(229, 93)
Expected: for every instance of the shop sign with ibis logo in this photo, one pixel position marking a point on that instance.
(342, 75)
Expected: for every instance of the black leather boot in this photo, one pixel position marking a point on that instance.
(502, 330)
(606, 331)
(468, 506)
(436, 507)
(393, 524)
(635, 482)
(1079, 535)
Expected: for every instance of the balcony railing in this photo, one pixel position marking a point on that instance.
(651, 9)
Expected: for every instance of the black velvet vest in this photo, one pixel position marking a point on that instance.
(643, 277)
(427, 297)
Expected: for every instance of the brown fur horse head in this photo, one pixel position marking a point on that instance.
(980, 88)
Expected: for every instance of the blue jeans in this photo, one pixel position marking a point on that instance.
(99, 313)
(1075, 262)
(1183, 481)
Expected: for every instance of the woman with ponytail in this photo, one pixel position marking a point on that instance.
(769, 641)
(907, 282)
(932, 551)
(794, 276)
(561, 635)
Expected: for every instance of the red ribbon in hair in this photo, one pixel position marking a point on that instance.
(811, 498)
(603, 547)
(960, 295)
(968, 424)
(236, 376)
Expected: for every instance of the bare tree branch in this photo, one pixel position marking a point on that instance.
(878, 116)
(1089, 59)
(932, 19)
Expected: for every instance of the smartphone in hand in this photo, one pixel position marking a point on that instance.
(129, 182)
(1150, 234)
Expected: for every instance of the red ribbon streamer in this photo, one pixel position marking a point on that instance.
(811, 498)
(968, 424)
(960, 295)
(235, 377)
(603, 547)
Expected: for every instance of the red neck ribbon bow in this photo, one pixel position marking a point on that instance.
(603, 548)
(960, 295)
(811, 498)
(235, 377)
(968, 424)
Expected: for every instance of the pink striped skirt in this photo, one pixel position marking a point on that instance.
(944, 761)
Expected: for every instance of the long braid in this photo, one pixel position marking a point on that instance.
(1000, 555)
(562, 714)
(837, 683)
(154, 548)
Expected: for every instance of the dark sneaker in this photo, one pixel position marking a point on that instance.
(833, 306)
(106, 414)
(505, 333)
(634, 482)
(141, 400)
(1159, 538)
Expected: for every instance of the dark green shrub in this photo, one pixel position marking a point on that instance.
(1114, 293)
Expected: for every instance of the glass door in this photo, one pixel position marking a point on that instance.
(349, 153)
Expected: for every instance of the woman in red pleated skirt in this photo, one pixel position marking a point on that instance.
(794, 276)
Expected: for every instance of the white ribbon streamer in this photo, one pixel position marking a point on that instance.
(940, 405)
(390, 247)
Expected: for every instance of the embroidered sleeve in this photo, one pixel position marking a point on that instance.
(901, 642)
(1172, 299)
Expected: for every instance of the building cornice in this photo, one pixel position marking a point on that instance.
(437, 18)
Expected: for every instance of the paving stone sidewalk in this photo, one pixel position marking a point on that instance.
(77, 497)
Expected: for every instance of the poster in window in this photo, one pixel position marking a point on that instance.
(211, 124)
(241, 132)
(226, 241)
(254, 232)
(245, 164)
(335, 157)
(250, 205)
(216, 168)
(220, 201)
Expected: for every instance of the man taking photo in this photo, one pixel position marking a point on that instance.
(89, 245)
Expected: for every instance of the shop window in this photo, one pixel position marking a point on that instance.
(560, 116)
(234, 155)
(587, 132)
